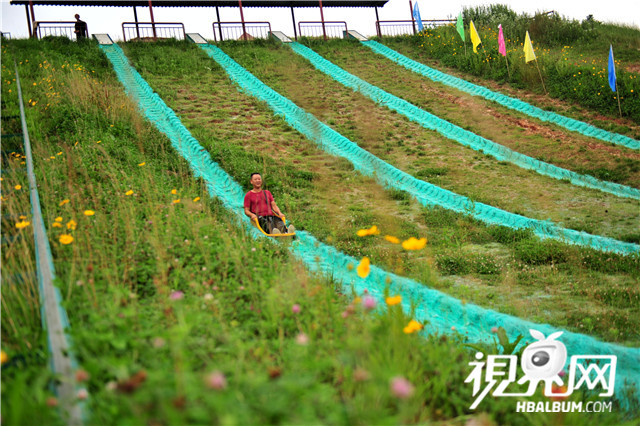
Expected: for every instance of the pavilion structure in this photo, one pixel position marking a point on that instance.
(292, 4)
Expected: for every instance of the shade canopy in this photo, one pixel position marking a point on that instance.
(206, 3)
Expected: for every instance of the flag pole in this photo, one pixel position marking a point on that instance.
(540, 73)
(618, 97)
(507, 61)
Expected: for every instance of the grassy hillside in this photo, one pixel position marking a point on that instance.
(493, 266)
(179, 316)
(572, 57)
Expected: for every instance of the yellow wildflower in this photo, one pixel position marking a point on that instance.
(413, 326)
(18, 187)
(195, 200)
(22, 224)
(129, 192)
(56, 225)
(58, 219)
(63, 202)
(394, 300)
(391, 239)
(371, 231)
(89, 212)
(364, 267)
(72, 225)
(142, 164)
(176, 201)
(66, 239)
(174, 191)
(3, 357)
(414, 243)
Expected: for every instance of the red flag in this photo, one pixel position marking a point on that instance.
(501, 46)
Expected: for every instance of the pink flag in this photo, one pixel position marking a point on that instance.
(501, 47)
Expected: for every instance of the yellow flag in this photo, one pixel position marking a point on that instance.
(475, 38)
(528, 49)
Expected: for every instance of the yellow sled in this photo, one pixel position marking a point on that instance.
(288, 234)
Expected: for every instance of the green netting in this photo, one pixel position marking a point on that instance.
(507, 101)
(451, 131)
(368, 164)
(442, 313)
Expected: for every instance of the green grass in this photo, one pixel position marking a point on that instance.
(572, 57)
(337, 202)
(516, 131)
(149, 355)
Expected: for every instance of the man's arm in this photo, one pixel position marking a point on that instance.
(252, 216)
(275, 209)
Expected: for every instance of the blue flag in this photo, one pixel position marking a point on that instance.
(416, 16)
(612, 70)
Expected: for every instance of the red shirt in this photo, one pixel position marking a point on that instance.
(257, 204)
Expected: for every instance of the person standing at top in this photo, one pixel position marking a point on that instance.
(259, 205)
(81, 29)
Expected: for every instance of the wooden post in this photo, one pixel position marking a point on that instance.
(135, 17)
(219, 23)
(153, 22)
(33, 18)
(26, 9)
(324, 32)
(413, 21)
(293, 18)
(244, 30)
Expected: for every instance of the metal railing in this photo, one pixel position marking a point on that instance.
(333, 29)
(394, 28)
(146, 31)
(5, 34)
(234, 31)
(55, 29)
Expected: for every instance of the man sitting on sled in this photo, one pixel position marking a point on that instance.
(260, 206)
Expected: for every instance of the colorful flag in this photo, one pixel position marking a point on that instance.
(612, 70)
(475, 38)
(460, 26)
(416, 16)
(501, 46)
(528, 49)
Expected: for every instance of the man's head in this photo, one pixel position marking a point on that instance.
(256, 180)
(77, 16)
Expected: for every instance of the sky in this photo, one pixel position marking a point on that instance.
(199, 20)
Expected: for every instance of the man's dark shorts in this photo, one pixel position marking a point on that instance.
(268, 223)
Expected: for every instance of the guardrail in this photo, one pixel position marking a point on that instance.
(334, 29)
(394, 28)
(56, 29)
(239, 30)
(145, 31)
(53, 315)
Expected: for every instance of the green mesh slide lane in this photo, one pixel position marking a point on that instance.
(456, 133)
(441, 312)
(507, 101)
(370, 165)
